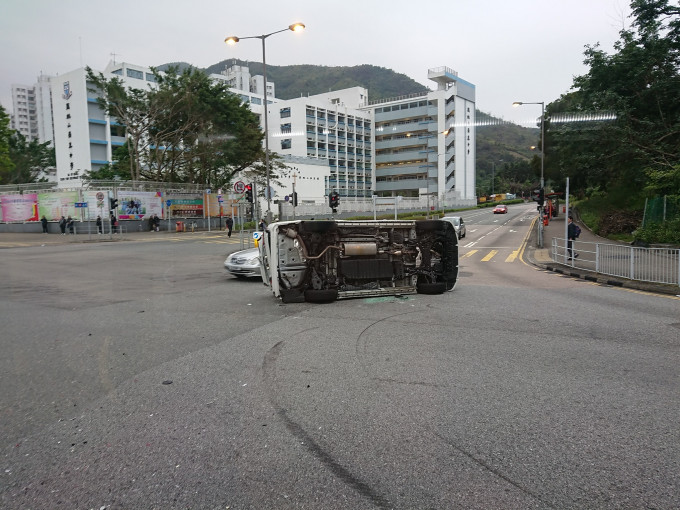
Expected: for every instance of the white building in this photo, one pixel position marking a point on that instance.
(32, 110)
(85, 137)
(425, 143)
(328, 129)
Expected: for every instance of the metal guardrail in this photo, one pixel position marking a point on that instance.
(657, 265)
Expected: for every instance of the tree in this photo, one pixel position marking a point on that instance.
(118, 169)
(128, 106)
(6, 163)
(187, 129)
(641, 83)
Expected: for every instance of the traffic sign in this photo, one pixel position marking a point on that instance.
(80, 205)
(257, 235)
(239, 186)
(207, 192)
(168, 203)
(100, 195)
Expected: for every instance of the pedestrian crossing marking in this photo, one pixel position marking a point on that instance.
(468, 254)
(512, 256)
(490, 255)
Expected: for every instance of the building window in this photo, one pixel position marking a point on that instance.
(286, 143)
(285, 112)
(256, 100)
(119, 72)
(133, 73)
(150, 77)
(285, 128)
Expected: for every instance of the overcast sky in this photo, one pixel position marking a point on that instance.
(519, 50)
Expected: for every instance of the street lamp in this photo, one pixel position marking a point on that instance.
(540, 220)
(493, 174)
(295, 27)
(520, 103)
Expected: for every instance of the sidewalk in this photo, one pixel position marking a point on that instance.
(541, 257)
(19, 239)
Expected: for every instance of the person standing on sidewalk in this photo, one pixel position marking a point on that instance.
(230, 225)
(43, 220)
(62, 225)
(571, 237)
(99, 224)
(70, 223)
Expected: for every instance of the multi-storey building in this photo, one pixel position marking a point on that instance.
(328, 128)
(425, 143)
(85, 137)
(32, 110)
(24, 116)
(43, 107)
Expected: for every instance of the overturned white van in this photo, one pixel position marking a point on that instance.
(321, 261)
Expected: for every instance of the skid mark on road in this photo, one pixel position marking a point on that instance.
(342, 473)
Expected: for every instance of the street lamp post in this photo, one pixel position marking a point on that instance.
(540, 220)
(520, 103)
(295, 27)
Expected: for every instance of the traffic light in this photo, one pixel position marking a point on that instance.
(113, 203)
(249, 193)
(295, 199)
(539, 196)
(334, 200)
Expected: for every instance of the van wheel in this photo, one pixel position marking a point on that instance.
(431, 288)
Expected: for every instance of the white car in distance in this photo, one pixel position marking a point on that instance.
(458, 224)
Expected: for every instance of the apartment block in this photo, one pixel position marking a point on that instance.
(32, 110)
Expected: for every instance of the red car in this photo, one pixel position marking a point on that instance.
(500, 209)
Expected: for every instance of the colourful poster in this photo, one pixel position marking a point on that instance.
(55, 205)
(19, 207)
(135, 205)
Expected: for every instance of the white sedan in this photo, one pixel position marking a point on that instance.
(244, 263)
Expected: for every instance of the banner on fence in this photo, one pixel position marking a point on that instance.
(135, 205)
(55, 205)
(19, 207)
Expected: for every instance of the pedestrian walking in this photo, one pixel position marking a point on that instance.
(43, 220)
(114, 222)
(572, 234)
(70, 224)
(99, 224)
(230, 225)
(62, 225)
(157, 222)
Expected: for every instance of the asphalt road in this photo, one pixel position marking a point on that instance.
(138, 375)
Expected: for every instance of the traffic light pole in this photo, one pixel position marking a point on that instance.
(294, 175)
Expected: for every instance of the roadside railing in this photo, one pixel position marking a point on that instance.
(657, 265)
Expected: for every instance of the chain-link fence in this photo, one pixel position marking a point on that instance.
(661, 209)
